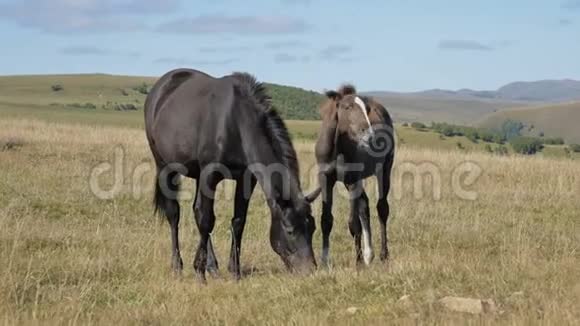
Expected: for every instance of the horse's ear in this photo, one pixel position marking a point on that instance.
(311, 197)
(333, 95)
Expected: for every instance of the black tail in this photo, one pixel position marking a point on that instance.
(166, 190)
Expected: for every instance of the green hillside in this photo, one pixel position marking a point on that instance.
(107, 92)
(559, 120)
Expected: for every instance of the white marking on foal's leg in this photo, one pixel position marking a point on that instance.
(368, 253)
(325, 256)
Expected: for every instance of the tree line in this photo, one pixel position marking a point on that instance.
(509, 132)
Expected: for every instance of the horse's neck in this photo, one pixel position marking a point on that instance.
(276, 178)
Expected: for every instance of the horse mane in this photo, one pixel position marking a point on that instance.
(347, 89)
(273, 125)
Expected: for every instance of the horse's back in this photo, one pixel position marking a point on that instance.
(183, 111)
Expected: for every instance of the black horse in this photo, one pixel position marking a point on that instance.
(212, 129)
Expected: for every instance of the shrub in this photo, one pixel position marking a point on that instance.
(554, 141)
(418, 125)
(511, 129)
(575, 148)
(405, 124)
(89, 106)
(487, 136)
(472, 135)
(460, 145)
(567, 151)
(57, 87)
(124, 92)
(499, 139)
(488, 148)
(143, 89)
(526, 145)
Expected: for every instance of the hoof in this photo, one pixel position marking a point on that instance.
(200, 277)
(177, 267)
(214, 272)
(369, 256)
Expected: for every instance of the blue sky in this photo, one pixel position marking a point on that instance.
(400, 45)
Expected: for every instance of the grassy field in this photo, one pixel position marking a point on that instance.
(71, 258)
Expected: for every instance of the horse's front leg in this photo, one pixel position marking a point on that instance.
(326, 183)
(244, 189)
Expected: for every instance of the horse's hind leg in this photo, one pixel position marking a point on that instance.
(212, 262)
(166, 188)
(244, 189)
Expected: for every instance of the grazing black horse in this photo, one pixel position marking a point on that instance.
(212, 129)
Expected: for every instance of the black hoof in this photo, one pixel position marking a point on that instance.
(201, 278)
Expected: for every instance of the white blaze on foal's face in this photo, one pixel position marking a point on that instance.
(365, 136)
(363, 108)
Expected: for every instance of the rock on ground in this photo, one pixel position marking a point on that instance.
(468, 305)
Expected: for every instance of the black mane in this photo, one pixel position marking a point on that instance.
(273, 125)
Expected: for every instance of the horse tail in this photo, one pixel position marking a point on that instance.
(166, 191)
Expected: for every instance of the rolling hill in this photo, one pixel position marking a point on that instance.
(105, 91)
(558, 120)
(464, 111)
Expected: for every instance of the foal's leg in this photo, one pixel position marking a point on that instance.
(212, 262)
(327, 183)
(244, 190)
(364, 216)
(354, 222)
(383, 209)
(205, 217)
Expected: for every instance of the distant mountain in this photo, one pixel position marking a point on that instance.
(545, 90)
(467, 106)
(535, 91)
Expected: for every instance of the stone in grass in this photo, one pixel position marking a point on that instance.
(405, 301)
(352, 310)
(468, 305)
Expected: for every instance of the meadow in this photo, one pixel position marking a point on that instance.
(79, 243)
(69, 257)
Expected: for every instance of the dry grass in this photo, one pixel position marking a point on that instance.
(68, 257)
